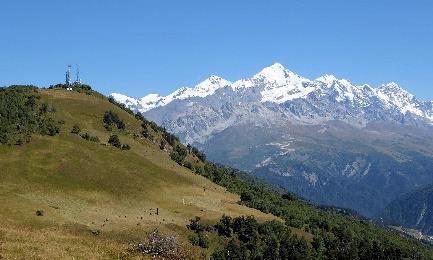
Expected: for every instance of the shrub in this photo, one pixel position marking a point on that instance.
(39, 213)
(85, 136)
(114, 141)
(196, 226)
(111, 118)
(176, 157)
(49, 127)
(246, 196)
(224, 226)
(94, 139)
(162, 144)
(145, 132)
(75, 129)
(188, 165)
(199, 239)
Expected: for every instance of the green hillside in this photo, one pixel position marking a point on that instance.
(79, 184)
(92, 180)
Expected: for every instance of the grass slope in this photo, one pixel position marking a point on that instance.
(83, 186)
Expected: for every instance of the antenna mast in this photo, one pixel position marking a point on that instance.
(68, 76)
(78, 80)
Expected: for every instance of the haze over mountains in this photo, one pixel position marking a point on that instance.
(326, 139)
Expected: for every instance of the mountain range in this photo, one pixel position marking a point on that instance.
(327, 139)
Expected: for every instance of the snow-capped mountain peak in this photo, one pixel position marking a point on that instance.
(210, 85)
(278, 75)
(395, 96)
(327, 79)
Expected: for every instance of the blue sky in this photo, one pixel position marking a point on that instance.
(138, 47)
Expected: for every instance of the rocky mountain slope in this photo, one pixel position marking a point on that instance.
(326, 139)
(412, 210)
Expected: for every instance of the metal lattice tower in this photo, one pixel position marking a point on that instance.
(68, 76)
(78, 80)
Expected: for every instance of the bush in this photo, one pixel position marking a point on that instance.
(39, 213)
(85, 136)
(199, 239)
(176, 157)
(224, 226)
(246, 196)
(94, 139)
(196, 226)
(188, 165)
(162, 144)
(145, 132)
(111, 118)
(114, 141)
(75, 129)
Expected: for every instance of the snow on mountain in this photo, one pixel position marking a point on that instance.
(150, 101)
(128, 101)
(275, 84)
(281, 85)
(395, 96)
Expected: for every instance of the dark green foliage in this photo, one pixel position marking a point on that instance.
(85, 136)
(170, 138)
(181, 150)
(145, 132)
(336, 235)
(196, 225)
(88, 137)
(139, 116)
(114, 141)
(162, 144)
(80, 88)
(179, 154)
(199, 239)
(246, 196)
(21, 115)
(49, 127)
(199, 154)
(94, 139)
(289, 196)
(111, 118)
(75, 129)
(188, 165)
(176, 157)
(252, 240)
(224, 226)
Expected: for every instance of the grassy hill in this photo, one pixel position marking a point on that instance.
(69, 192)
(79, 185)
